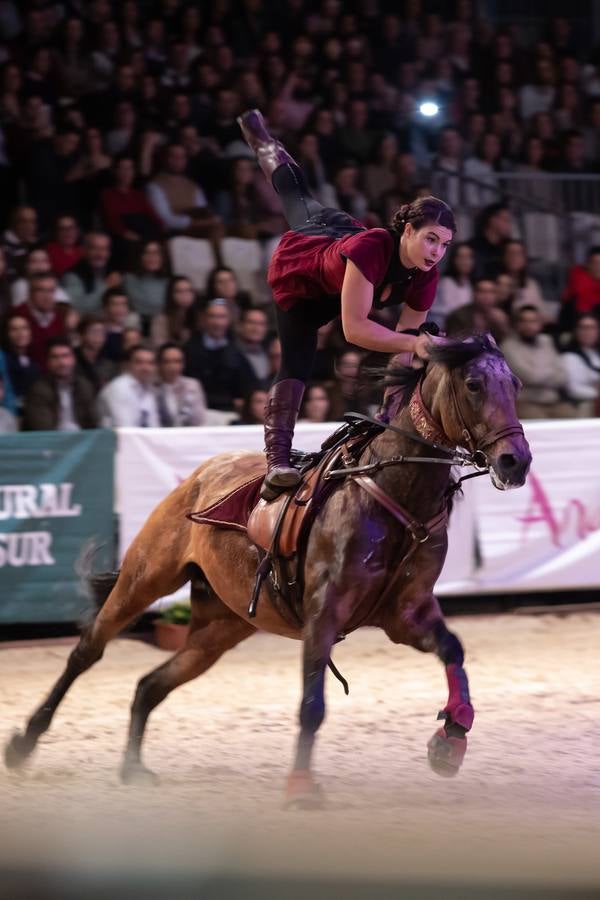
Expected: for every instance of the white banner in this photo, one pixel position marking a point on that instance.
(151, 462)
(544, 536)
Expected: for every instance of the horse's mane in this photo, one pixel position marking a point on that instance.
(452, 355)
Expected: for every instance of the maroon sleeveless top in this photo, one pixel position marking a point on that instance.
(307, 266)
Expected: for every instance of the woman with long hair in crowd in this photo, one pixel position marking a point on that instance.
(329, 265)
(176, 323)
(147, 285)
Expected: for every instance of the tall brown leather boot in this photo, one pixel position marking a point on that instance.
(270, 152)
(281, 412)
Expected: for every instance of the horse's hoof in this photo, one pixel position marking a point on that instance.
(136, 773)
(446, 753)
(302, 792)
(17, 751)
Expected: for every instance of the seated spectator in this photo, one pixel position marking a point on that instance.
(252, 410)
(494, 228)
(447, 166)
(181, 400)
(538, 97)
(37, 262)
(131, 399)
(482, 168)
(147, 285)
(222, 282)
(176, 323)
(90, 363)
(42, 313)
(581, 360)
(89, 174)
(315, 405)
(22, 369)
(126, 213)
(455, 287)
(380, 173)
(49, 161)
(480, 316)
(8, 395)
(355, 137)
(346, 193)
(86, 282)
(8, 421)
(117, 316)
(313, 166)
(120, 138)
(131, 337)
(534, 359)
(60, 400)
(344, 393)
(582, 292)
(244, 207)
(20, 237)
(212, 358)
(65, 250)
(179, 202)
(251, 337)
(527, 289)
(5, 297)
(274, 354)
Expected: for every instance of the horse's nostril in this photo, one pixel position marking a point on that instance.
(507, 461)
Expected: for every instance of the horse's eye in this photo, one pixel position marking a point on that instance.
(473, 386)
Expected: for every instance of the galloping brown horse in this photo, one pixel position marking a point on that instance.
(356, 570)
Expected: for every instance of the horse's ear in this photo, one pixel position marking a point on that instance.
(491, 340)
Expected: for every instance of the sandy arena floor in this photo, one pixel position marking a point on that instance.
(524, 809)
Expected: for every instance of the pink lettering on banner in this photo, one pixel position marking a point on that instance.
(575, 518)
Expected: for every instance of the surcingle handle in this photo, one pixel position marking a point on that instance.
(261, 573)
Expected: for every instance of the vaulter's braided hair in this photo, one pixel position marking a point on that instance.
(424, 211)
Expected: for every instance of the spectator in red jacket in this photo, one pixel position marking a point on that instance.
(582, 293)
(125, 210)
(65, 250)
(41, 312)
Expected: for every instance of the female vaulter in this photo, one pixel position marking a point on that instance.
(329, 264)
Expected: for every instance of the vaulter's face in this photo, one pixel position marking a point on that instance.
(427, 246)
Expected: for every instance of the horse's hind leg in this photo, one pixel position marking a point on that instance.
(421, 624)
(134, 591)
(213, 630)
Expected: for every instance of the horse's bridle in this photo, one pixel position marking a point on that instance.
(477, 448)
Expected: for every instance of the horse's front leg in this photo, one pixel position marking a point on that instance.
(420, 623)
(302, 792)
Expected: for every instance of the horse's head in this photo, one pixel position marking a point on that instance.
(470, 390)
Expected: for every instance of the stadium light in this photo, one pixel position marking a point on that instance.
(429, 109)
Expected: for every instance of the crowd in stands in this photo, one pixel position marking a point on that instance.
(118, 134)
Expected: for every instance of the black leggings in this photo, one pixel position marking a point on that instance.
(298, 326)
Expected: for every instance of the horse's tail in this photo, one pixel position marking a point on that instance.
(95, 587)
(100, 586)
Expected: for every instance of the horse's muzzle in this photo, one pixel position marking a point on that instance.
(509, 469)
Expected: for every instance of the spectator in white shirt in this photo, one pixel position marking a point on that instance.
(37, 262)
(539, 96)
(581, 361)
(181, 400)
(131, 399)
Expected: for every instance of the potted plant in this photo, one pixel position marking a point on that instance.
(171, 627)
